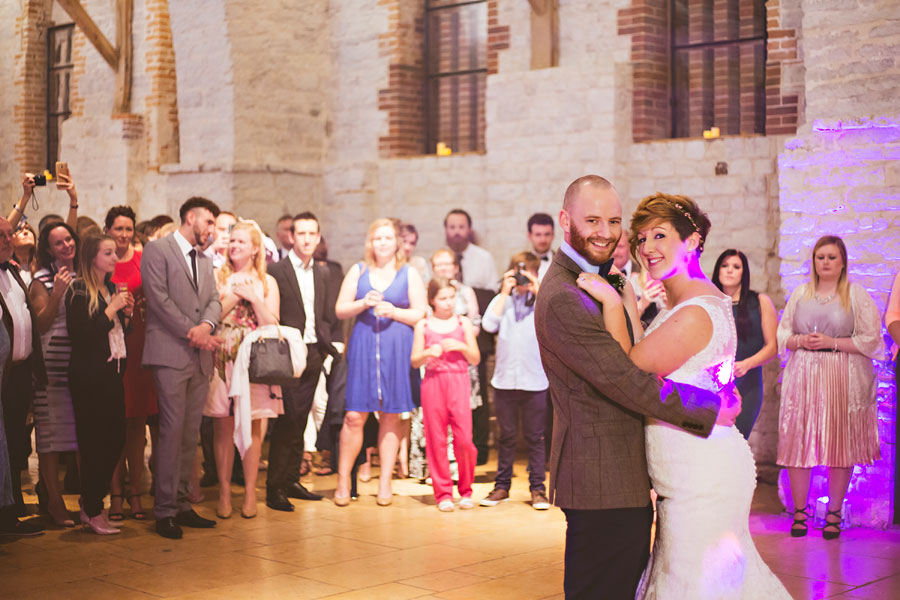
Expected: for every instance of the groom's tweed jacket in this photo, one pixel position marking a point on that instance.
(599, 398)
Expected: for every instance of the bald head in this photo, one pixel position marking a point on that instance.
(586, 181)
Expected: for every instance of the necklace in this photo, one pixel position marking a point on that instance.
(824, 300)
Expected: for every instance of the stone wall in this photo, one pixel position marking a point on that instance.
(841, 176)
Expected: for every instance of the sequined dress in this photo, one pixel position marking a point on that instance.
(703, 548)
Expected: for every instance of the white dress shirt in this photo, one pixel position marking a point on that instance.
(185, 247)
(518, 359)
(15, 299)
(478, 268)
(307, 286)
(579, 259)
(546, 258)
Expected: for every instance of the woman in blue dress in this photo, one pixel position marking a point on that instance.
(387, 298)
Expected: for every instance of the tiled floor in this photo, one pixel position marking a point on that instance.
(408, 550)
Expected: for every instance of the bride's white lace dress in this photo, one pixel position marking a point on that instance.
(703, 548)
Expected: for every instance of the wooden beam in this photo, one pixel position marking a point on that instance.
(124, 11)
(91, 31)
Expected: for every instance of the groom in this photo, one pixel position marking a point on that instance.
(598, 468)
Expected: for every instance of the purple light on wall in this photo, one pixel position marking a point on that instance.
(842, 178)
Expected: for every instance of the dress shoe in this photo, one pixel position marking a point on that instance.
(168, 528)
(17, 528)
(296, 490)
(188, 518)
(277, 500)
(100, 525)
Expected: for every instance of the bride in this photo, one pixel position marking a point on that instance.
(703, 549)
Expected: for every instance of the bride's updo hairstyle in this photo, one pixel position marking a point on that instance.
(679, 211)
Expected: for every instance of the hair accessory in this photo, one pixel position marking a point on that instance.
(687, 214)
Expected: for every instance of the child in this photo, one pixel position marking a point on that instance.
(445, 344)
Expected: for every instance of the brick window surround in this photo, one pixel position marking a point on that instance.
(404, 97)
(648, 24)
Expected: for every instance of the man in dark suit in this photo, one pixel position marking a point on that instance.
(598, 467)
(183, 310)
(307, 303)
(23, 370)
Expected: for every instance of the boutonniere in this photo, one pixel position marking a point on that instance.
(617, 280)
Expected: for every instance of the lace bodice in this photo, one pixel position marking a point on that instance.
(713, 367)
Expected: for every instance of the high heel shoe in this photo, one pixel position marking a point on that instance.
(341, 501)
(137, 511)
(800, 528)
(99, 525)
(384, 500)
(832, 535)
(117, 515)
(61, 517)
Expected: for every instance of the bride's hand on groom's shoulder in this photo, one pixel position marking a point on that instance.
(730, 406)
(598, 287)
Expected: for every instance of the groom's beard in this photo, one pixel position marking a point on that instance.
(583, 246)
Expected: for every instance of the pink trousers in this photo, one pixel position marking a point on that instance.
(445, 401)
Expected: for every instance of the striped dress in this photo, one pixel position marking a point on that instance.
(53, 415)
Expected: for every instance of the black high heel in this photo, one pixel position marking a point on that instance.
(801, 521)
(832, 535)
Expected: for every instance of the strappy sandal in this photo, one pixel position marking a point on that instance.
(832, 535)
(137, 511)
(800, 528)
(118, 515)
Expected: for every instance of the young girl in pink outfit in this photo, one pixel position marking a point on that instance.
(445, 344)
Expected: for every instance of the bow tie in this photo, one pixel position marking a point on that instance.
(5, 265)
(605, 267)
(545, 258)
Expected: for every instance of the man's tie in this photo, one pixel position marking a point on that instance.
(459, 275)
(193, 254)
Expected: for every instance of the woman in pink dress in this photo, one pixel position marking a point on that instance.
(140, 393)
(249, 300)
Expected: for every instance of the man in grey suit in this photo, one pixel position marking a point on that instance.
(598, 467)
(183, 310)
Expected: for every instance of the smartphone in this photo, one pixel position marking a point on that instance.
(61, 169)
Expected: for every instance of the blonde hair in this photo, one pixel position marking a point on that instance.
(399, 255)
(258, 262)
(843, 285)
(89, 250)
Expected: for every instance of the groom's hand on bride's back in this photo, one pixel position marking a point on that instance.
(730, 406)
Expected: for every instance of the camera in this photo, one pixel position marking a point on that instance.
(521, 278)
(40, 179)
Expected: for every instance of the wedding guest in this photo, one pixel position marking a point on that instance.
(24, 243)
(540, 236)
(892, 322)
(520, 385)
(478, 270)
(140, 391)
(409, 238)
(96, 316)
(25, 371)
(10, 525)
(249, 299)
(283, 233)
(387, 298)
(830, 331)
(307, 303)
(444, 344)
(756, 322)
(183, 310)
(85, 226)
(218, 249)
(54, 417)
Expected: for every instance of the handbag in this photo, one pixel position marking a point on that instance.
(270, 361)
